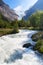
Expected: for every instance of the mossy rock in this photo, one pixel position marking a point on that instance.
(39, 46)
(35, 39)
(37, 36)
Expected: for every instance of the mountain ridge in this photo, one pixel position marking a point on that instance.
(37, 6)
(7, 11)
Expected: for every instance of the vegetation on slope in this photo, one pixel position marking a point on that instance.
(7, 26)
(38, 38)
(36, 20)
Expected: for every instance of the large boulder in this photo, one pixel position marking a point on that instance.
(27, 45)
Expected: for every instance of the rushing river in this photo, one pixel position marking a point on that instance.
(13, 53)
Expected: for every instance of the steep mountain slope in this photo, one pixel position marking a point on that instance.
(7, 12)
(38, 6)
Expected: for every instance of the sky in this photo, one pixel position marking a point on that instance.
(20, 5)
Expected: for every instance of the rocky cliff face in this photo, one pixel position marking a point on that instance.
(38, 6)
(7, 12)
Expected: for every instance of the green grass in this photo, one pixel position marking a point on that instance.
(30, 28)
(5, 31)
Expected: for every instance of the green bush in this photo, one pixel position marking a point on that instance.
(14, 25)
(39, 46)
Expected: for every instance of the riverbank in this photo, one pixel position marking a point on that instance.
(5, 31)
(38, 38)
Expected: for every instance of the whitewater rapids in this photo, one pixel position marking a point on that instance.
(13, 53)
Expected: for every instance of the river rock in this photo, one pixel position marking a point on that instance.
(27, 45)
(35, 39)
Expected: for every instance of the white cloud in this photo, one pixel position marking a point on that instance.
(25, 5)
(19, 10)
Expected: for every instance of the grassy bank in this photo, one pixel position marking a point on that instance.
(5, 31)
(29, 28)
(38, 38)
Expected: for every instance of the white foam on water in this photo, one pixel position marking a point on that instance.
(11, 49)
